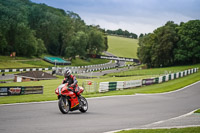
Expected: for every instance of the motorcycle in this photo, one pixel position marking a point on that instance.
(70, 101)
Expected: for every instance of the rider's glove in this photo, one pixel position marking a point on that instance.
(66, 85)
(72, 85)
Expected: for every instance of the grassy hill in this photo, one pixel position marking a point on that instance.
(123, 47)
(25, 62)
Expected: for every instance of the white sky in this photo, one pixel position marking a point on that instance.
(137, 16)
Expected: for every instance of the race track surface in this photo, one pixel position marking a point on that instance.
(104, 114)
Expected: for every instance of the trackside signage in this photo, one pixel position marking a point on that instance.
(3, 91)
(132, 83)
(20, 90)
(148, 81)
(15, 91)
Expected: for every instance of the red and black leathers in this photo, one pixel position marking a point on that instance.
(71, 80)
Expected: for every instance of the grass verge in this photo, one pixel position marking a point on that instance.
(153, 71)
(7, 62)
(156, 88)
(90, 61)
(198, 111)
(173, 130)
(50, 86)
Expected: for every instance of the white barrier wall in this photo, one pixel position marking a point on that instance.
(167, 77)
(160, 79)
(119, 85)
(172, 76)
(103, 86)
(132, 83)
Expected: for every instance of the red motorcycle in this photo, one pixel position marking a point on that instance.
(70, 101)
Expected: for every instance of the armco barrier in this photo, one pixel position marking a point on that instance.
(20, 90)
(110, 86)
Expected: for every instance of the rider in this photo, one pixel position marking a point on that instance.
(71, 80)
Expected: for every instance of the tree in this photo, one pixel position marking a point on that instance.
(165, 41)
(77, 46)
(25, 41)
(188, 48)
(144, 50)
(31, 29)
(96, 43)
(141, 35)
(156, 49)
(120, 32)
(3, 44)
(40, 47)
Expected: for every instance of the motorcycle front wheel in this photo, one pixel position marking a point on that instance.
(84, 105)
(64, 105)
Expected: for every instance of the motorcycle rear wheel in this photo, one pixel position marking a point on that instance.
(64, 105)
(84, 104)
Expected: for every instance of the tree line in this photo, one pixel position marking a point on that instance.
(123, 33)
(171, 44)
(31, 29)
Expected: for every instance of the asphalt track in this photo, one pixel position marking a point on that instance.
(104, 114)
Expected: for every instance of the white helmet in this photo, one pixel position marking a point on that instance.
(67, 73)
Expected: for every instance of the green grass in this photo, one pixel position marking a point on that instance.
(51, 85)
(153, 72)
(23, 62)
(156, 88)
(123, 47)
(198, 111)
(91, 61)
(37, 63)
(173, 130)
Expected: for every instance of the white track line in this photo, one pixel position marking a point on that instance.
(154, 128)
(28, 103)
(170, 91)
(148, 126)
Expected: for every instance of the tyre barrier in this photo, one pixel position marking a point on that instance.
(120, 85)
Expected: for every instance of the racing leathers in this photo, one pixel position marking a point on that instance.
(71, 80)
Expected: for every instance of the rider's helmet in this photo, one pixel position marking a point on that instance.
(67, 73)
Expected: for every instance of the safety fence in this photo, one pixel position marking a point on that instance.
(20, 90)
(74, 69)
(25, 69)
(90, 86)
(85, 69)
(120, 85)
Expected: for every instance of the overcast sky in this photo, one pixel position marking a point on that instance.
(137, 16)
